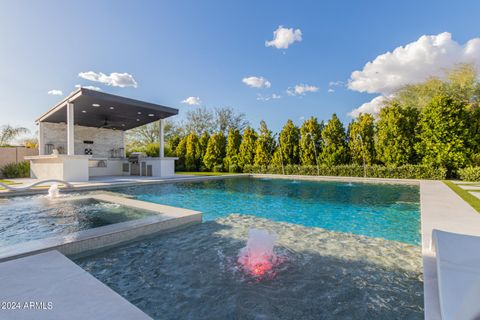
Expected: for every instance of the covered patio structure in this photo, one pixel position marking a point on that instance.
(83, 136)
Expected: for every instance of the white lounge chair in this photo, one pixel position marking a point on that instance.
(458, 274)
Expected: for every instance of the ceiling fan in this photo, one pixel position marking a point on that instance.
(106, 124)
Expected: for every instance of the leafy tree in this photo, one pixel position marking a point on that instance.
(311, 141)
(226, 118)
(202, 120)
(233, 146)
(360, 139)
(289, 143)
(334, 151)
(213, 159)
(9, 133)
(181, 152)
(396, 135)
(460, 83)
(149, 133)
(247, 147)
(444, 133)
(199, 120)
(193, 153)
(265, 146)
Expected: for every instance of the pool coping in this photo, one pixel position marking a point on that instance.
(72, 293)
(166, 219)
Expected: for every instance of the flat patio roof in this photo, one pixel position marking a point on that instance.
(103, 110)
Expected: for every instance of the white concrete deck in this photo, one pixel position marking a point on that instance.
(50, 286)
(441, 209)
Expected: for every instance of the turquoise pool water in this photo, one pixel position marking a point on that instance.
(385, 211)
(30, 218)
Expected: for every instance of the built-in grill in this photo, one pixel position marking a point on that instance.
(134, 158)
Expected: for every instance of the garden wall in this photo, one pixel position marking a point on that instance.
(15, 155)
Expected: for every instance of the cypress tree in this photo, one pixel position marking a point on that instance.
(233, 146)
(396, 135)
(310, 141)
(193, 153)
(360, 139)
(203, 141)
(334, 151)
(265, 146)
(213, 159)
(443, 134)
(289, 143)
(180, 152)
(247, 148)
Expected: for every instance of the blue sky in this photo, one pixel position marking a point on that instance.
(180, 49)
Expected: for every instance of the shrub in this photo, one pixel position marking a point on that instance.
(217, 168)
(374, 171)
(469, 174)
(16, 170)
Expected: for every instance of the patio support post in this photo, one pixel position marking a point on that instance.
(41, 140)
(161, 123)
(70, 130)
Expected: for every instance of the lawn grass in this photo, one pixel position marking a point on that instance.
(7, 181)
(194, 173)
(465, 195)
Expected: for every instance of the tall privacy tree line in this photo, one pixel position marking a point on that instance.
(434, 123)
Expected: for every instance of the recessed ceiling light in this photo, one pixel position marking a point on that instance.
(123, 124)
(150, 114)
(111, 108)
(139, 112)
(138, 119)
(84, 111)
(96, 105)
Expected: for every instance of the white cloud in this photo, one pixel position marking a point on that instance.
(415, 62)
(331, 90)
(257, 82)
(55, 92)
(193, 101)
(337, 83)
(273, 96)
(301, 89)
(283, 37)
(372, 107)
(88, 87)
(115, 79)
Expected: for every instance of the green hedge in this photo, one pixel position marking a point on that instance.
(16, 170)
(374, 171)
(469, 174)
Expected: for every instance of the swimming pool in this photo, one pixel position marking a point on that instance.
(388, 211)
(29, 218)
(194, 274)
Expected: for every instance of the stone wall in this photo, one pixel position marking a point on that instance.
(104, 140)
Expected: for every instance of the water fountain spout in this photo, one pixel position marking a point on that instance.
(257, 257)
(53, 191)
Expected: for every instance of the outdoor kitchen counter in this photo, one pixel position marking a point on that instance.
(64, 167)
(144, 166)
